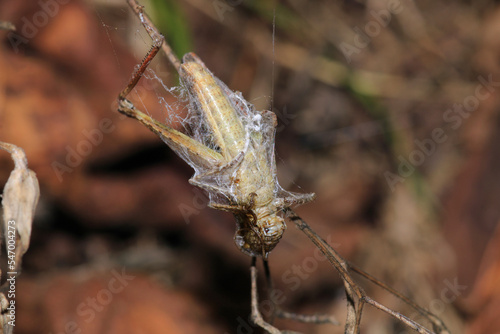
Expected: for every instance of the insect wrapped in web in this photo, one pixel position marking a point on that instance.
(231, 149)
(242, 177)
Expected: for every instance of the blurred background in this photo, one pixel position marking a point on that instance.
(387, 110)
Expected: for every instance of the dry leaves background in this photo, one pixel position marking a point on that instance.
(117, 204)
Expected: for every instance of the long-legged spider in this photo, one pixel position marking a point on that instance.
(232, 153)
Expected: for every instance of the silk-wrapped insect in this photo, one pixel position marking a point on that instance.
(231, 149)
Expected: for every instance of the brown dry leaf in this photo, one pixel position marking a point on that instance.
(65, 120)
(4, 319)
(20, 197)
(6, 25)
(19, 200)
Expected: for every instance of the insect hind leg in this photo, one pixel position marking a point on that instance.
(206, 180)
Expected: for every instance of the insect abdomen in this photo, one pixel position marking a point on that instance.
(223, 121)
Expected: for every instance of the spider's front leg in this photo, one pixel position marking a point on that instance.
(256, 316)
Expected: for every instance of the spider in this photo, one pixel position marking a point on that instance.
(232, 152)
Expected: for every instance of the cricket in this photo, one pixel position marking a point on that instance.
(231, 149)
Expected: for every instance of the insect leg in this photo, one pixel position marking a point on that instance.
(189, 149)
(197, 181)
(289, 198)
(217, 170)
(200, 180)
(227, 207)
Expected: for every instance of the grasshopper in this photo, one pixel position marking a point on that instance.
(232, 151)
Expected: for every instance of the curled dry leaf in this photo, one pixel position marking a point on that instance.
(6, 25)
(4, 318)
(20, 197)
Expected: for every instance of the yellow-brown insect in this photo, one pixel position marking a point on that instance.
(231, 150)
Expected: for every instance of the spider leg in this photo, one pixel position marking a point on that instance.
(356, 296)
(256, 315)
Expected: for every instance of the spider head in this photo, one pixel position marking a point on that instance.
(257, 233)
